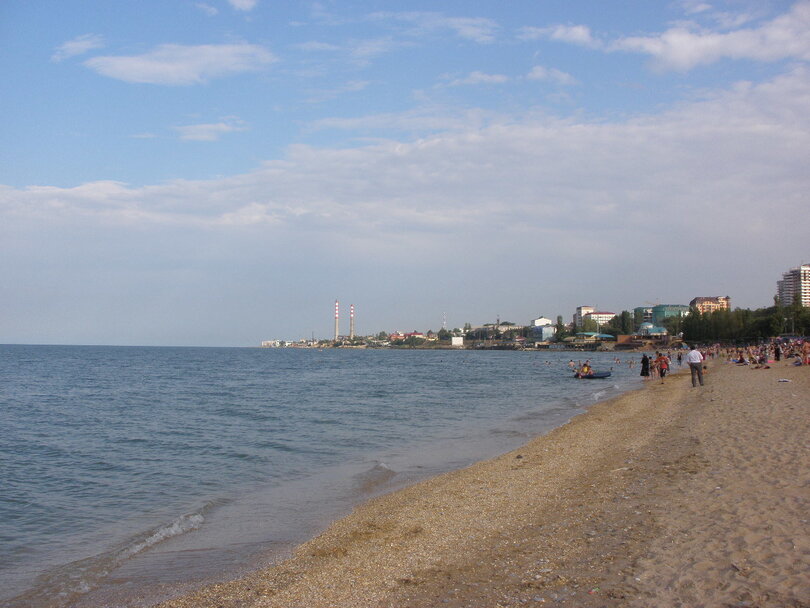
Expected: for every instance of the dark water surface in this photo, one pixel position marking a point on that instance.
(126, 469)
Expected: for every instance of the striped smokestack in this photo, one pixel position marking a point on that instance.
(351, 322)
(337, 316)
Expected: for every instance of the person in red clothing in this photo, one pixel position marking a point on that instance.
(663, 365)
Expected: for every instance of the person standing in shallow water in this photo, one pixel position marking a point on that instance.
(645, 366)
(695, 361)
(663, 365)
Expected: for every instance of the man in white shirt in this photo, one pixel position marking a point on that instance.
(695, 361)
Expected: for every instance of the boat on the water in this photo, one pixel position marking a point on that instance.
(592, 375)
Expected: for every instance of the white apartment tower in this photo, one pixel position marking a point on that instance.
(579, 315)
(794, 281)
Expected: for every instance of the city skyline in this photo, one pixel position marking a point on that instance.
(213, 172)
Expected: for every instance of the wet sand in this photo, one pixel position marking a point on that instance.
(667, 496)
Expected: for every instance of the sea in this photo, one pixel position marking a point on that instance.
(132, 474)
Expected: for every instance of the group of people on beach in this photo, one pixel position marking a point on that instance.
(758, 356)
(658, 366)
(761, 355)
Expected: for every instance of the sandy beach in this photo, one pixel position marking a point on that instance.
(667, 496)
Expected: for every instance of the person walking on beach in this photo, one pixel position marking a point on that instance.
(695, 361)
(662, 362)
(645, 366)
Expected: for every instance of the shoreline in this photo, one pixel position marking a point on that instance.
(601, 511)
(247, 530)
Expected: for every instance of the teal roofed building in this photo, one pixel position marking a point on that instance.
(648, 329)
(665, 311)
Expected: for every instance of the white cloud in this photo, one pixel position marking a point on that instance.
(349, 87)
(574, 34)
(316, 46)
(209, 10)
(243, 5)
(692, 7)
(210, 131)
(531, 194)
(540, 72)
(477, 29)
(415, 121)
(697, 9)
(650, 177)
(683, 48)
(476, 77)
(175, 64)
(364, 50)
(78, 46)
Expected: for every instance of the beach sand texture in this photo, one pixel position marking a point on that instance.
(667, 496)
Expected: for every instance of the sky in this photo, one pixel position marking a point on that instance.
(218, 173)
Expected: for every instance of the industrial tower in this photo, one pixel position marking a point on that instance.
(337, 317)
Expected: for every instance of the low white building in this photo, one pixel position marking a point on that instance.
(542, 322)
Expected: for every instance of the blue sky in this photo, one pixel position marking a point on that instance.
(219, 172)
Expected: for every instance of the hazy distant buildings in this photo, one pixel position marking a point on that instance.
(544, 333)
(665, 311)
(795, 281)
(710, 304)
(584, 313)
(543, 329)
(600, 317)
(579, 315)
(643, 314)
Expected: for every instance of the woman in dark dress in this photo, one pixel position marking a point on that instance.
(645, 366)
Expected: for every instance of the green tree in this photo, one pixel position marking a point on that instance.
(795, 314)
(560, 329)
(589, 325)
(628, 322)
(675, 325)
(413, 341)
(620, 324)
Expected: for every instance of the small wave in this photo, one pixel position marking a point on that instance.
(598, 395)
(181, 525)
(529, 416)
(376, 476)
(64, 584)
(507, 433)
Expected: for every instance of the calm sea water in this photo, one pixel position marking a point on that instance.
(130, 473)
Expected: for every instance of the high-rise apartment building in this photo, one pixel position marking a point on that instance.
(579, 315)
(794, 281)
